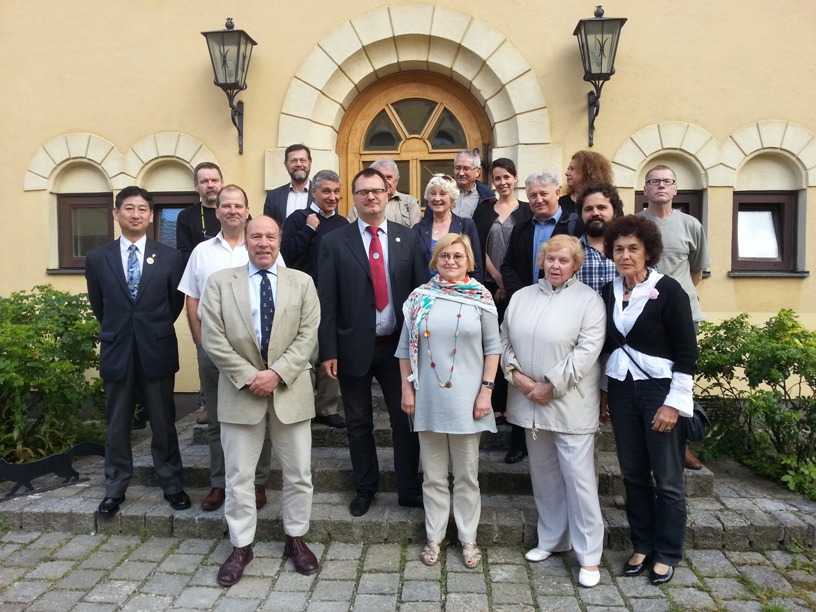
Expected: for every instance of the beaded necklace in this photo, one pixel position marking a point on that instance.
(447, 384)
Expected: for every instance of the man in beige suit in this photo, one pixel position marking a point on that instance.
(259, 327)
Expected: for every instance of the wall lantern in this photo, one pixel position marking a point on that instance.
(598, 42)
(230, 52)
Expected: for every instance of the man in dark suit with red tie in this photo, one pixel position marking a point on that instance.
(132, 285)
(366, 271)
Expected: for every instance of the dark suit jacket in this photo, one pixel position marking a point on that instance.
(517, 267)
(275, 203)
(144, 325)
(459, 225)
(347, 313)
(189, 231)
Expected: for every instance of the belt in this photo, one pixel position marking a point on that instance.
(385, 339)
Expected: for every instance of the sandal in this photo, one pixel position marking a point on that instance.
(471, 555)
(430, 554)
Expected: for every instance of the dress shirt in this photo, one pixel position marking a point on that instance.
(319, 212)
(467, 202)
(255, 294)
(297, 199)
(386, 318)
(542, 231)
(124, 245)
(207, 257)
(598, 269)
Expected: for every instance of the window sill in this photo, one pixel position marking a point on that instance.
(766, 274)
(65, 271)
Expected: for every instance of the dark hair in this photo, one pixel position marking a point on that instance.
(641, 228)
(206, 166)
(594, 168)
(506, 164)
(608, 191)
(129, 192)
(367, 173)
(231, 187)
(297, 147)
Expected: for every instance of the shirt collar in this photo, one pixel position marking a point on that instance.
(313, 206)
(124, 244)
(552, 220)
(252, 269)
(219, 237)
(363, 225)
(308, 187)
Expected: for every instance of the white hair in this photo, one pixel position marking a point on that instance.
(473, 156)
(387, 163)
(448, 185)
(547, 177)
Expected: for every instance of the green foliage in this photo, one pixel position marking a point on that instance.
(763, 377)
(48, 347)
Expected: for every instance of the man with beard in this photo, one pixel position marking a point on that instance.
(599, 204)
(296, 194)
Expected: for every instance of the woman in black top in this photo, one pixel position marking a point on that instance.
(652, 355)
(585, 167)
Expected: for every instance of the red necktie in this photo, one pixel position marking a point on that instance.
(377, 263)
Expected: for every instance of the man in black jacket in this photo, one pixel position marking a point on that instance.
(366, 271)
(132, 285)
(198, 223)
(296, 194)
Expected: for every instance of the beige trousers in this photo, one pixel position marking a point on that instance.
(437, 452)
(242, 447)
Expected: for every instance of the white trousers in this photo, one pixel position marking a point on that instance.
(242, 446)
(562, 470)
(437, 452)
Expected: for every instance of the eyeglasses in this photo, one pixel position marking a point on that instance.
(452, 256)
(446, 177)
(656, 182)
(367, 192)
(464, 168)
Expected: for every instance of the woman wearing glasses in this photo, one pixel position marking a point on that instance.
(441, 193)
(449, 352)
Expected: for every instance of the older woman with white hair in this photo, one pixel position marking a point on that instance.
(441, 193)
(552, 335)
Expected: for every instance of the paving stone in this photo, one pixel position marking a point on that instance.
(466, 602)
(250, 587)
(766, 577)
(693, 599)
(262, 566)
(383, 558)
(338, 569)
(81, 579)
(154, 549)
(420, 606)
(375, 603)
(27, 557)
(181, 564)
(10, 574)
(417, 570)
(466, 583)
(24, 591)
(378, 584)
(229, 604)
(21, 537)
(133, 570)
(103, 560)
(7, 550)
(517, 594)
(111, 591)
(198, 597)
(328, 606)
(743, 606)
(285, 602)
(50, 570)
(206, 575)
(117, 543)
(738, 557)
(340, 550)
(333, 590)
(553, 585)
(270, 548)
(790, 605)
(684, 577)
(638, 587)
(148, 603)
(806, 579)
(420, 590)
(84, 606)
(165, 584)
(601, 595)
(650, 605)
(727, 588)
(508, 573)
(712, 563)
(290, 581)
(55, 600)
(222, 551)
(554, 566)
(506, 554)
(780, 558)
(77, 547)
(50, 541)
(194, 546)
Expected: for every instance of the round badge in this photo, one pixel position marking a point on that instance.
(376, 256)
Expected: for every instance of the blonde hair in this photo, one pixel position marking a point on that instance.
(446, 184)
(449, 240)
(563, 241)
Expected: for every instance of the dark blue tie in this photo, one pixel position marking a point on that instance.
(267, 311)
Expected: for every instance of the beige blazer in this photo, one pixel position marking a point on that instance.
(228, 337)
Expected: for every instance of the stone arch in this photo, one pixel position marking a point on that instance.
(164, 146)
(64, 149)
(425, 37)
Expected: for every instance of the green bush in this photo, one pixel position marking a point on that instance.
(761, 381)
(48, 346)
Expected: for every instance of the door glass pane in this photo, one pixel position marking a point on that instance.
(404, 183)
(166, 229)
(414, 113)
(90, 229)
(448, 133)
(756, 235)
(381, 134)
(430, 167)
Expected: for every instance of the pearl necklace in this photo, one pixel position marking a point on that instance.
(447, 384)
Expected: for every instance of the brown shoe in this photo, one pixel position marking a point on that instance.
(303, 559)
(213, 501)
(233, 568)
(691, 461)
(260, 496)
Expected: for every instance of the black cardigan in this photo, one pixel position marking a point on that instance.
(664, 328)
(301, 244)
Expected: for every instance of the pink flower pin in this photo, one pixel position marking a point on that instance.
(653, 293)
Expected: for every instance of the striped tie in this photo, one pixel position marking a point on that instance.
(134, 274)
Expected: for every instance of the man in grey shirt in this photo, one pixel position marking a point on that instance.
(467, 168)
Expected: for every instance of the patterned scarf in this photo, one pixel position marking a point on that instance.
(418, 306)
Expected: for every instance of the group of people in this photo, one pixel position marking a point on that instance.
(552, 314)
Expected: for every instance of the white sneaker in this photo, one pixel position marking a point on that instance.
(589, 578)
(537, 554)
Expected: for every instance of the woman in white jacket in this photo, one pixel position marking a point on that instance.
(552, 335)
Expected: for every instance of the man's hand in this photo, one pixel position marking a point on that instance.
(541, 393)
(408, 403)
(665, 419)
(264, 383)
(313, 221)
(330, 368)
(482, 406)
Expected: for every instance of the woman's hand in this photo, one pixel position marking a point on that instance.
(523, 382)
(408, 403)
(482, 406)
(604, 408)
(665, 419)
(541, 393)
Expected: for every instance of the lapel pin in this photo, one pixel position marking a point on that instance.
(376, 256)
(397, 239)
(151, 259)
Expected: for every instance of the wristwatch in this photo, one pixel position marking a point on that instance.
(489, 384)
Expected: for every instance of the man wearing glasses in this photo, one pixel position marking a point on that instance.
(685, 249)
(467, 168)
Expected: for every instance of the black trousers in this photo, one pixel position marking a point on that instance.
(356, 392)
(652, 466)
(157, 396)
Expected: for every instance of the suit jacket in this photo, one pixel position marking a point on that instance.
(348, 324)
(275, 203)
(228, 337)
(143, 325)
(189, 232)
(458, 225)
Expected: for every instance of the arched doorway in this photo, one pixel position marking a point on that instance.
(418, 119)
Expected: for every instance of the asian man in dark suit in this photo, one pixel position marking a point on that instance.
(296, 194)
(132, 290)
(366, 271)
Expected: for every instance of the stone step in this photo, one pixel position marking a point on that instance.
(505, 519)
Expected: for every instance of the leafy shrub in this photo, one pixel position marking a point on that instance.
(763, 378)
(48, 346)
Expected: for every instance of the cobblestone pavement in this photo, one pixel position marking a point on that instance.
(61, 571)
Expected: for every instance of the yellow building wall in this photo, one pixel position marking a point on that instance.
(125, 70)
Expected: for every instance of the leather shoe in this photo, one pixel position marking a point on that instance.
(360, 504)
(233, 568)
(302, 558)
(514, 455)
(331, 420)
(109, 506)
(658, 579)
(635, 569)
(178, 501)
(691, 461)
(214, 500)
(260, 496)
(411, 501)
